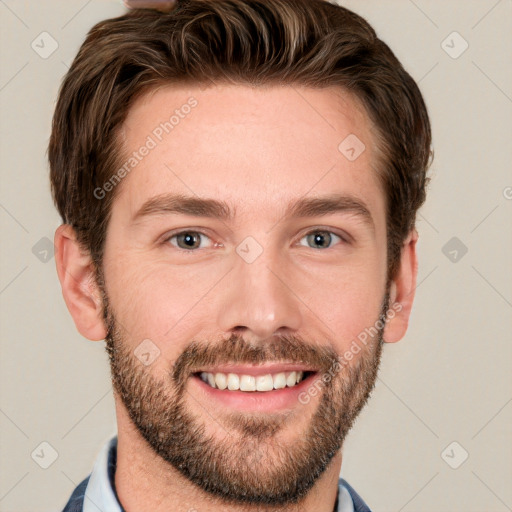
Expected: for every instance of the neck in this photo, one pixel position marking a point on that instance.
(144, 481)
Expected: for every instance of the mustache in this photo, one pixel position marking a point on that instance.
(236, 350)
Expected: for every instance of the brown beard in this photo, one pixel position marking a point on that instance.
(245, 467)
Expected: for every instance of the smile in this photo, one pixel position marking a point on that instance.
(249, 383)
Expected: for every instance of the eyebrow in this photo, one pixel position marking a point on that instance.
(186, 205)
(318, 206)
(213, 208)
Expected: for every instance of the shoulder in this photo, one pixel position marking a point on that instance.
(76, 501)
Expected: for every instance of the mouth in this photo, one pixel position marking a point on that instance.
(264, 388)
(253, 383)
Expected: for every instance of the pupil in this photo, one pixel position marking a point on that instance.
(320, 239)
(189, 240)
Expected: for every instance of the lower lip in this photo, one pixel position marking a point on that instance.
(264, 401)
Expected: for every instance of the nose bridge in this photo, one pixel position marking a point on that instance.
(258, 298)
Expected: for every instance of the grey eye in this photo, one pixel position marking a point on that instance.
(187, 240)
(320, 239)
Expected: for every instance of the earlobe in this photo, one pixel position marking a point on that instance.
(402, 291)
(78, 281)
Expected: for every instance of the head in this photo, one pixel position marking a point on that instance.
(238, 184)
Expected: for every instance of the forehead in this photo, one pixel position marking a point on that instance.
(255, 148)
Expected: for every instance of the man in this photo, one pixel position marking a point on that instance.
(238, 183)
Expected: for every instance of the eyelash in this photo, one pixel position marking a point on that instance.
(167, 239)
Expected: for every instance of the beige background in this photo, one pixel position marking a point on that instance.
(448, 380)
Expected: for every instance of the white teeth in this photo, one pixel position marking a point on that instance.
(268, 382)
(233, 382)
(220, 381)
(291, 379)
(280, 380)
(247, 383)
(264, 383)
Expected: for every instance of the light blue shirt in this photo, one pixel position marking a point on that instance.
(100, 496)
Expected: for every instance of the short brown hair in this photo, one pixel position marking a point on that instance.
(258, 42)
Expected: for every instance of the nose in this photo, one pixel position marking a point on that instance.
(258, 301)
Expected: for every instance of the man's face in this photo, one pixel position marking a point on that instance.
(263, 292)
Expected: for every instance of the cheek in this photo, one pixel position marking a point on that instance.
(343, 300)
(155, 300)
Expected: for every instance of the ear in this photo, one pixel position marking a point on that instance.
(402, 289)
(78, 281)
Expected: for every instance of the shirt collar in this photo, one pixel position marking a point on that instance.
(100, 493)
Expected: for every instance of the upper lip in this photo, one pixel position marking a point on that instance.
(255, 370)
